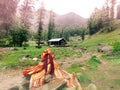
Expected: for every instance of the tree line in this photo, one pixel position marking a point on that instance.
(104, 19)
(17, 18)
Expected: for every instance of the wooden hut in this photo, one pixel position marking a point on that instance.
(57, 42)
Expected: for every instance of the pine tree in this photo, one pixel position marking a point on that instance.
(7, 14)
(26, 10)
(51, 25)
(118, 11)
(112, 11)
(41, 13)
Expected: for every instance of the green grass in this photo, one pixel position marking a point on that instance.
(11, 58)
(108, 38)
(114, 59)
(104, 77)
(83, 78)
(93, 63)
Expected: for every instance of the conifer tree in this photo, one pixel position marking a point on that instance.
(41, 14)
(51, 25)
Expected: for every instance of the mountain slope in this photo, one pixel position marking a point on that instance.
(108, 38)
(70, 19)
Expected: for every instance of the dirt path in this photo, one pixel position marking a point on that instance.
(64, 64)
(10, 79)
(15, 78)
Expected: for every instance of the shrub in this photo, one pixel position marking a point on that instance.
(25, 44)
(93, 63)
(116, 47)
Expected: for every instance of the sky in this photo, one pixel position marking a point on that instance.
(83, 8)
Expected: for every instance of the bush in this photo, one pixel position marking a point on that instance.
(25, 45)
(116, 47)
(93, 63)
(19, 34)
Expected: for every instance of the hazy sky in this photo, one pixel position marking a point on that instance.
(82, 7)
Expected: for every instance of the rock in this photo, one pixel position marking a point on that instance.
(54, 84)
(14, 88)
(25, 83)
(92, 87)
(14, 49)
(35, 59)
(22, 59)
(104, 48)
(48, 78)
(101, 44)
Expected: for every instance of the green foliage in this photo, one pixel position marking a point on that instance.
(71, 31)
(83, 78)
(93, 63)
(75, 68)
(19, 35)
(92, 42)
(83, 35)
(100, 21)
(25, 44)
(4, 42)
(41, 13)
(115, 57)
(116, 47)
(11, 58)
(63, 52)
(117, 81)
(51, 25)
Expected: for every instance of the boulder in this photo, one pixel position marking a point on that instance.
(91, 87)
(48, 78)
(25, 83)
(54, 84)
(35, 59)
(104, 48)
(14, 88)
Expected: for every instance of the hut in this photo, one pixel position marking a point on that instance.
(57, 42)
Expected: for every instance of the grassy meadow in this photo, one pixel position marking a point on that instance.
(103, 71)
(12, 58)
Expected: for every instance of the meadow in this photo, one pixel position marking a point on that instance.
(103, 71)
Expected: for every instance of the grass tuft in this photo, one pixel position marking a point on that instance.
(93, 63)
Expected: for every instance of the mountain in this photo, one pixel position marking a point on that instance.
(70, 19)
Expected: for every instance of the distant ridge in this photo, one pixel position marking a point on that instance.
(70, 19)
(65, 20)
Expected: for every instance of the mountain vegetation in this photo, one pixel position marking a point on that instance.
(103, 20)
